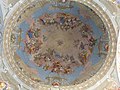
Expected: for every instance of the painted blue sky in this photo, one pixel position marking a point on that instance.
(25, 26)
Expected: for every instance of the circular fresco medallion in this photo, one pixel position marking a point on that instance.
(62, 43)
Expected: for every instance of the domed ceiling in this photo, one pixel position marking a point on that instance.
(61, 43)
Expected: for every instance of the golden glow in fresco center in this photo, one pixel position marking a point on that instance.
(62, 43)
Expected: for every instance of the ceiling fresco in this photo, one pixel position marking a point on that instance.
(62, 43)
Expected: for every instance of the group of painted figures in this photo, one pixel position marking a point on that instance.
(33, 41)
(62, 20)
(53, 60)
